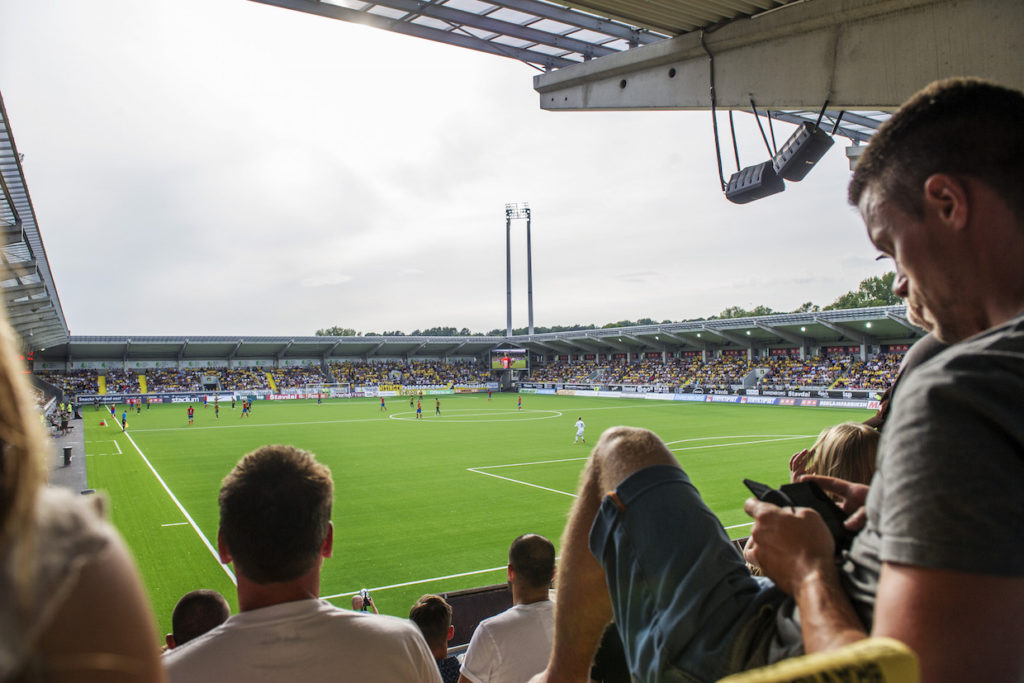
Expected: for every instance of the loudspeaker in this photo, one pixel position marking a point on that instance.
(801, 152)
(753, 182)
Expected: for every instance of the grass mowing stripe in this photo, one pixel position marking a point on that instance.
(191, 522)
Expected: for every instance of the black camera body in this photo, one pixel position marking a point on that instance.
(807, 494)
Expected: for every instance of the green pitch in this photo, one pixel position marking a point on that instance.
(421, 506)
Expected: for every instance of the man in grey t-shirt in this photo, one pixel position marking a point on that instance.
(939, 564)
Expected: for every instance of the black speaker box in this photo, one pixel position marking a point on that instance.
(753, 182)
(801, 152)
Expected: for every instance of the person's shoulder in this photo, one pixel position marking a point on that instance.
(995, 354)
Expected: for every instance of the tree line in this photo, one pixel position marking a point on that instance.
(872, 291)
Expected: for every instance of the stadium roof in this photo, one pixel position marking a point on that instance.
(548, 35)
(871, 326)
(791, 59)
(30, 296)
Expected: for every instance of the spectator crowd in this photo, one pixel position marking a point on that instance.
(928, 558)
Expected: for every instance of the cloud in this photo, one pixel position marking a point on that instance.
(325, 280)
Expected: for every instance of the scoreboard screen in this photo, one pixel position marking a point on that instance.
(508, 359)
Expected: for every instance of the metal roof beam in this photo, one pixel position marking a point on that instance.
(846, 331)
(587, 21)
(329, 351)
(11, 234)
(903, 321)
(12, 294)
(745, 342)
(457, 17)
(782, 334)
(829, 43)
(280, 354)
(324, 9)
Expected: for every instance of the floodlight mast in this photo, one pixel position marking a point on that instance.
(517, 210)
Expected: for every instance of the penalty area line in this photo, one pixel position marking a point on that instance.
(417, 582)
(524, 483)
(191, 522)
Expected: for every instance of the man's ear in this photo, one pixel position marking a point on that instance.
(328, 547)
(451, 632)
(946, 197)
(222, 548)
(169, 639)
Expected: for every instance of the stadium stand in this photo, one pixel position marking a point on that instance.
(721, 373)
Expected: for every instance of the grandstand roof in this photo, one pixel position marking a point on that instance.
(550, 36)
(30, 296)
(870, 326)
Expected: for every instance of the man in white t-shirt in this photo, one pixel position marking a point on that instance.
(514, 645)
(275, 525)
(579, 431)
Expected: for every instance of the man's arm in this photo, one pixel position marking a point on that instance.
(963, 627)
(794, 548)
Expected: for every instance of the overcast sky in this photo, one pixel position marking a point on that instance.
(225, 167)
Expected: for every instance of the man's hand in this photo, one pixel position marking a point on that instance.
(852, 498)
(790, 545)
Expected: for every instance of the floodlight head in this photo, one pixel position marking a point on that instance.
(753, 182)
(801, 151)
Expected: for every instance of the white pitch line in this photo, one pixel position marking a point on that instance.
(738, 443)
(521, 464)
(175, 524)
(117, 447)
(739, 436)
(192, 522)
(248, 425)
(417, 582)
(524, 483)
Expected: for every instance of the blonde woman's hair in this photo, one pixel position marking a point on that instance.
(22, 459)
(846, 451)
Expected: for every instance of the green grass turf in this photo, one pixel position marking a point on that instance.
(407, 508)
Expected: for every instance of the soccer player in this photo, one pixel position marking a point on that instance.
(412, 402)
(383, 407)
(419, 410)
(216, 410)
(124, 420)
(437, 406)
(579, 431)
(319, 399)
(245, 409)
(191, 414)
(488, 394)
(519, 402)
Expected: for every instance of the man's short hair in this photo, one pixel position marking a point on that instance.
(275, 512)
(433, 615)
(960, 126)
(196, 613)
(533, 559)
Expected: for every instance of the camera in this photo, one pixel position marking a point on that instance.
(367, 600)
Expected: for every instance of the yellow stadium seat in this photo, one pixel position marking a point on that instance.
(880, 660)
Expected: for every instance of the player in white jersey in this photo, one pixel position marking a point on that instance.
(579, 431)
